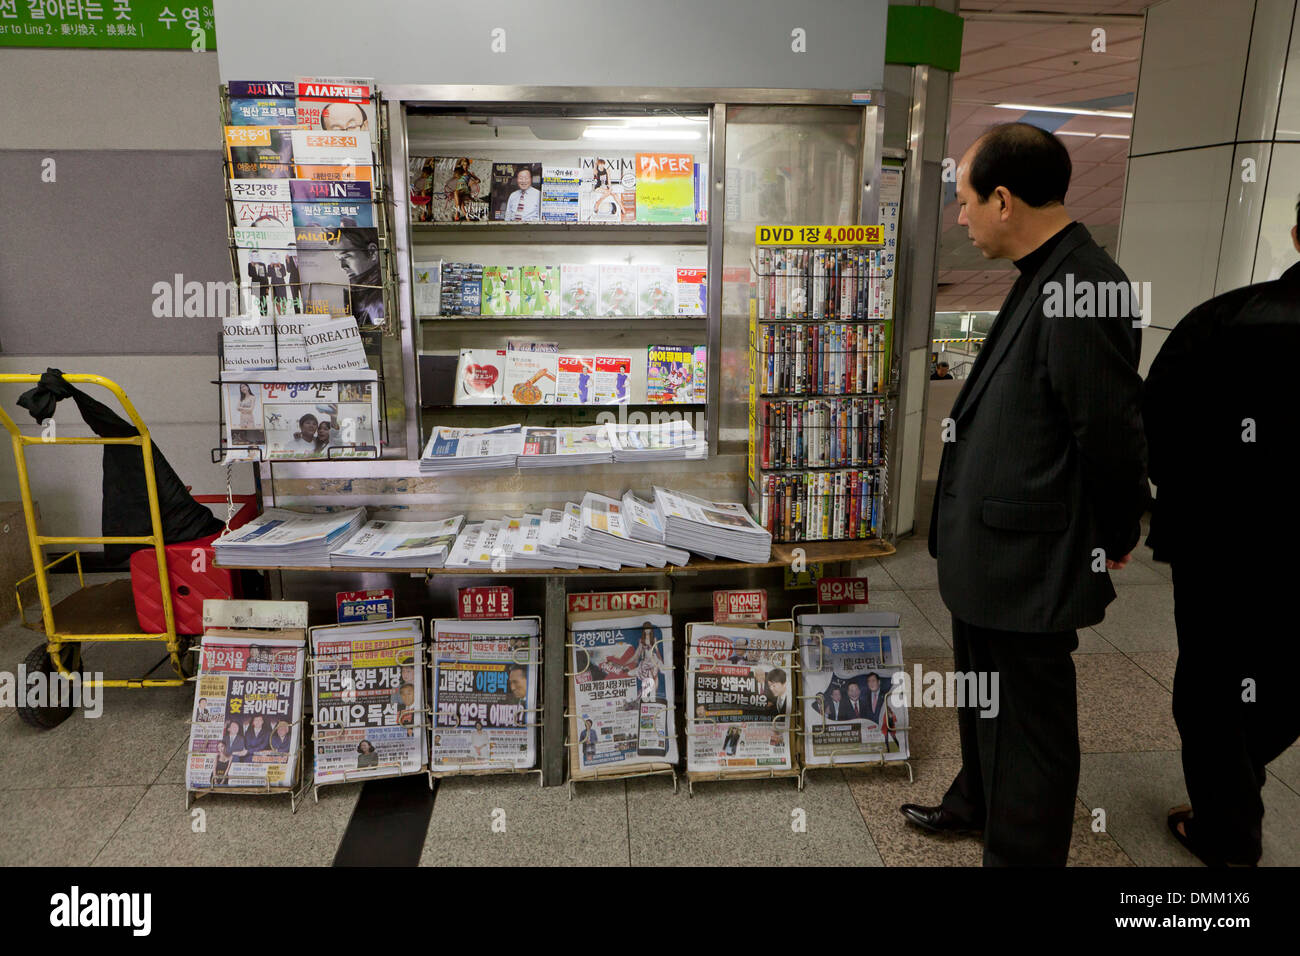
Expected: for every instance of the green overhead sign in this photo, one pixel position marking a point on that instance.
(108, 24)
(928, 36)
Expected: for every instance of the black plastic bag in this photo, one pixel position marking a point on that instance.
(126, 499)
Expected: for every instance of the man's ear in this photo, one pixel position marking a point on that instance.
(1003, 196)
(1295, 237)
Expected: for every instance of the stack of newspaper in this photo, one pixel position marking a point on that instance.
(515, 544)
(564, 447)
(554, 524)
(712, 528)
(664, 441)
(278, 538)
(609, 522)
(453, 449)
(398, 544)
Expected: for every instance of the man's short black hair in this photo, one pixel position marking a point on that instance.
(1297, 213)
(776, 676)
(1030, 162)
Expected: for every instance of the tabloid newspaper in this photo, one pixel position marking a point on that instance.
(849, 663)
(484, 695)
(623, 692)
(368, 692)
(739, 697)
(247, 710)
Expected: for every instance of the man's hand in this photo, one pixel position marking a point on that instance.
(1121, 563)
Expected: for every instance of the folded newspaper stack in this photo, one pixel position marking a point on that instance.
(604, 530)
(646, 525)
(711, 528)
(663, 441)
(398, 544)
(470, 449)
(564, 447)
(289, 539)
(554, 524)
(515, 544)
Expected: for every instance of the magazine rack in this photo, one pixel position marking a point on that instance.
(536, 720)
(420, 725)
(787, 723)
(876, 760)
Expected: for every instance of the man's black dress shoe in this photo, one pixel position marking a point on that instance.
(935, 819)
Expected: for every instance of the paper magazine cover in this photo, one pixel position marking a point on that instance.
(321, 210)
(692, 292)
(480, 377)
(421, 177)
(335, 103)
(484, 695)
(607, 188)
(850, 661)
(573, 380)
(623, 698)
(269, 278)
(462, 188)
(259, 152)
(516, 194)
(426, 282)
(332, 157)
(461, 289)
(656, 290)
(530, 372)
(669, 371)
(740, 695)
(560, 191)
(259, 203)
(610, 376)
(500, 291)
(700, 375)
(539, 290)
(579, 289)
(665, 187)
(617, 290)
(247, 721)
(262, 103)
(368, 697)
(344, 277)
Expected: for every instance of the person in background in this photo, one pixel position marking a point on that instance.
(1234, 693)
(940, 372)
(1038, 498)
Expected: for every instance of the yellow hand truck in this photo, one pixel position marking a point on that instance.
(109, 608)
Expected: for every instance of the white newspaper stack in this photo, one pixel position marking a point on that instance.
(665, 441)
(565, 447)
(469, 449)
(398, 544)
(518, 546)
(552, 532)
(465, 548)
(590, 547)
(715, 528)
(605, 530)
(646, 524)
(287, 539)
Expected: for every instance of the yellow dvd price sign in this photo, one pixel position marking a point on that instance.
(819, 236)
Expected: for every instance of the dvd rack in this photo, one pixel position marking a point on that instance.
(270, 285)
(820, 374)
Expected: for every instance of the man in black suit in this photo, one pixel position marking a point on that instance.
(1039, 495)
(835, 709)
(1234, 697)
(873, 697)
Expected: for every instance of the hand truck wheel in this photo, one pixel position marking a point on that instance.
(38, 661)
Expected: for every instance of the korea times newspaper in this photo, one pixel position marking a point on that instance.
(368, 690)
(484, 695)
(247, 711)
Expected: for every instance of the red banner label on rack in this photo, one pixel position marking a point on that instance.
(376, 604)
(836, 591)
(486, 604)
(740, 607)
(619, 601)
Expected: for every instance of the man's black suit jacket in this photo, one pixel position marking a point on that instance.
(1048, 462)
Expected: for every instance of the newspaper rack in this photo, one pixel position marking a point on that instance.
(422, 724)
(536, 717)
(242, 614)
(863, 759)
(576, 775)
(791, 723)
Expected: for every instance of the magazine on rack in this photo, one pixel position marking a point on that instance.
(484, 695)
(368, 695)
(722, 528)
(607, 188)
(259, 152)
(462, 187)
(398, 544)
(516, 194)
(850, 661)
(335, 103)
(740, 695)
(286, 414)
(467, 449)
(292, 539)
(261, 202)
(247, 722)
(623, 699)
(262, 102)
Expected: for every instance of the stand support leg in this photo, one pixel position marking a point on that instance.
(553, 750)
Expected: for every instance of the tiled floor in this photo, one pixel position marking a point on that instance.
(108, 791)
